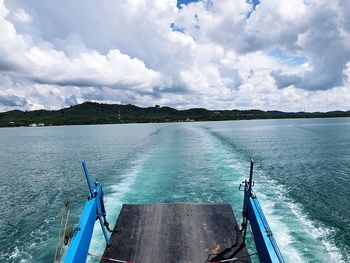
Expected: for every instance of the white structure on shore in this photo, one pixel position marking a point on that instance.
(36, 125)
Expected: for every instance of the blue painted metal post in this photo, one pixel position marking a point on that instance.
(100, 204)
(94, 209)
(104, 230)
(102, 212)
(87, 176)
(247, 195)
(250, 178)
(265, 243)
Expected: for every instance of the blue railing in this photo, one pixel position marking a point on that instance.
(265, 243)
(94, 209)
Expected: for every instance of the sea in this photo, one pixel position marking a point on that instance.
(301, 174)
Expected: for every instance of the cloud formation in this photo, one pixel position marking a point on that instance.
(214, 54)
(12, 101)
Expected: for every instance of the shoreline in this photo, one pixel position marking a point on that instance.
(162, 122)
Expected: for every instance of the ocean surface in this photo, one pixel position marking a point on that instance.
(302, 178)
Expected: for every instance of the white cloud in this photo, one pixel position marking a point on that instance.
(40, 61)
(56, 54)
(20, 16)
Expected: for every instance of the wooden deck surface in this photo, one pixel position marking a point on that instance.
(186, 233)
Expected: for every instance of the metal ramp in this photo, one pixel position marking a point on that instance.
(176, 233)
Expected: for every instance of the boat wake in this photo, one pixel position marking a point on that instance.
(299, 238)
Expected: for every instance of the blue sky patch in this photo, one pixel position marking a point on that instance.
(185, 2)
(282, 56)
(254, 5)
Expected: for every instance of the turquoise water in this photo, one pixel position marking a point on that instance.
(302, 175)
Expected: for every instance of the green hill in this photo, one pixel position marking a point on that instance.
(96, 113)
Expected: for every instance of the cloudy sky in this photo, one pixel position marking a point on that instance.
(284, 55)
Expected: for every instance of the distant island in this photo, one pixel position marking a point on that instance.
(98, 113)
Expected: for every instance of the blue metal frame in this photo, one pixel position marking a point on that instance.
(94, 209)
(265, 243)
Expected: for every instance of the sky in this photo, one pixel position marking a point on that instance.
(224, 54)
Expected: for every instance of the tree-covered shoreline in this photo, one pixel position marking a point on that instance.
(97, 113)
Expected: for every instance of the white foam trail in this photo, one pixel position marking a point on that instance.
(318, 232)
(288, 220)
(285, 217)
(299, 238)
(23, 254)
(17, 255)
(113, 204)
